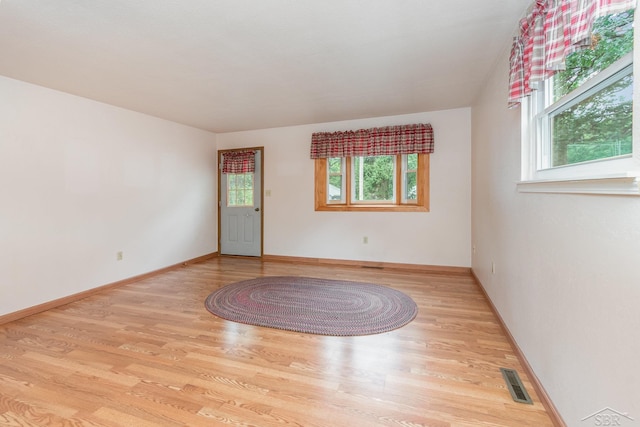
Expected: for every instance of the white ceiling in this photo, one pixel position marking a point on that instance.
(227, 65)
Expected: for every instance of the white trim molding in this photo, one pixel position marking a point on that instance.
(625, 184)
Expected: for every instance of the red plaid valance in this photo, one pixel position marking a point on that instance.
(386, 141)
(238, 162)
(551, 30)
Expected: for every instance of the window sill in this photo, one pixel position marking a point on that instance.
(626, 184)
(372, 208)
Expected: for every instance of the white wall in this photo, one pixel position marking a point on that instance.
(567, 279)
(81, 180)
(293, 228)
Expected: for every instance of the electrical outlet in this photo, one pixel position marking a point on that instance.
(365, 240)
(119, 256)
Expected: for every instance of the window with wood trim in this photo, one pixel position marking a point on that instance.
(373, 183)
(377, 169)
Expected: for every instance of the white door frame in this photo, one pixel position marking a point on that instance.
(259, 178)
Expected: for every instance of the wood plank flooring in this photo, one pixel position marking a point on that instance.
(149, 354)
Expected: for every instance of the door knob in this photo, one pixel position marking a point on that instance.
(257, 209)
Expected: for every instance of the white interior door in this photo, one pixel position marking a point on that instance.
(241, 211)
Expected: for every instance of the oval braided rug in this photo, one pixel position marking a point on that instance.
(315, 306)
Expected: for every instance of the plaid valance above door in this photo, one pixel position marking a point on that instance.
(238, 161)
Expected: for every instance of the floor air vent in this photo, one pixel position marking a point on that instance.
(515, 386)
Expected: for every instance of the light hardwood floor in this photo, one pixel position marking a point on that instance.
(149, 354)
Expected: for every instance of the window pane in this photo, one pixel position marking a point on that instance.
(409, 178)
(412, 162)
(335, 187)
(240, 190)
(335, 165)
(410, 186)
(373, 178)
(335, 182)
(612, 39)
(596, 128)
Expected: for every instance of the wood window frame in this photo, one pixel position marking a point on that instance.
(422, 181)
